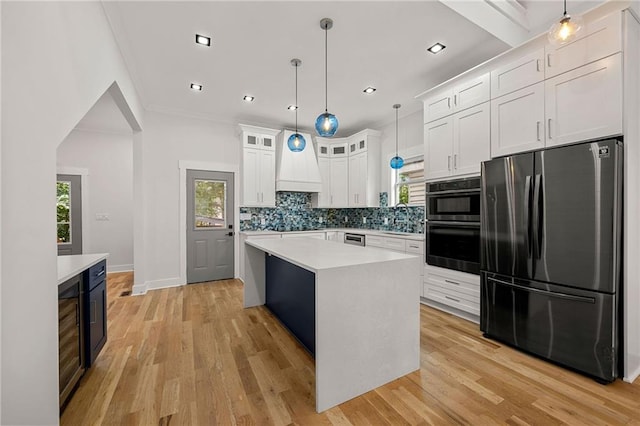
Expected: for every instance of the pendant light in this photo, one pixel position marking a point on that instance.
(396, 162)
(296, 142)
(566, 29)
(326, 123)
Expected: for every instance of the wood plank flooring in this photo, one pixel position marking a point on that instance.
(193, 356)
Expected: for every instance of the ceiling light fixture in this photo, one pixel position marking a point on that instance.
(203, 40)
(292, 107)
(248, 98)
(326, 123)
(296, 142)
(369, 90)
(566, 29)
(396, 162)
(438, 47)
(196, 87)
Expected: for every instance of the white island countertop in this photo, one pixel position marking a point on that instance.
(70, 266)
(316, 255)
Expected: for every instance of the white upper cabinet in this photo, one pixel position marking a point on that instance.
(258, 166)
(471, 139)
(323, 198)
(364, 169)
(585, 103)
(602, 38)
(333, 163)
(517, 121)
(464, 95)
(522, 72)
(339, 192)
(456, 145)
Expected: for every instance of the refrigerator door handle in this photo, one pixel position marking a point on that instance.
(527, 210)
(537, 220)
(545, 292)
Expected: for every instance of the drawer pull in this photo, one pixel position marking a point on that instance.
(451, 282)
(452, 298)
(101, 273)
(410, 246)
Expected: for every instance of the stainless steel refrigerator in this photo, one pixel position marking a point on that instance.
(551, 254)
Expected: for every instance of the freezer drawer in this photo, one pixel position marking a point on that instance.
(572, 327)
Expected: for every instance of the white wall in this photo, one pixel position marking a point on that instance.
(58, 58)
(410, 143)
(108, 157)
(167, 140)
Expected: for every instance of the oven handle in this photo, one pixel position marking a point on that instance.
(454, 191)
(449, 222)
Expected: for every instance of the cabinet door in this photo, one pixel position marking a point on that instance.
(585, 103)
(357, 179)
(267, 178)
(517, 121)
(339, 182)
(251, 140)
(268, 142)
(250, 177)
(339, 150)
(324, 196)
(471, 139)
(438, 138)
(602, 38)
(471, 92)
(523, 72)
(97, 321)
(439, 105)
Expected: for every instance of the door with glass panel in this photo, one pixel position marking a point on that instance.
(69, 214)
(210, 230)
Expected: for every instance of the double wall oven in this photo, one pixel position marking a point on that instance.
(452, 230)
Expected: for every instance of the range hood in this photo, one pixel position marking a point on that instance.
(296, 171)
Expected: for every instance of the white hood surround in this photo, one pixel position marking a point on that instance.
(296, 171)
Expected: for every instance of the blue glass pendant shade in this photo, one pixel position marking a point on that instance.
(326, 124)
(396, 162)
(296, 142)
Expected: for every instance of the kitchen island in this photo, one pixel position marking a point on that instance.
(356, 309)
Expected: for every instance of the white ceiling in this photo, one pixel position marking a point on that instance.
(377, 43)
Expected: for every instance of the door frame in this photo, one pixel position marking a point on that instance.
(183, 165)
(84, 200)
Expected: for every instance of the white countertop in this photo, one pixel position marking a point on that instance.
(314, 255)
(70, 266)
(405, 235)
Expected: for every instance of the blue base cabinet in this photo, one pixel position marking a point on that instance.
(95, 318)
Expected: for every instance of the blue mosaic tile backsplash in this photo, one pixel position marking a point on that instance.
(293, 212)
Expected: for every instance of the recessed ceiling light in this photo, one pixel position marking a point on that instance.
(292, 107)
(369, 90)
(203, 40)
(248, 98)
(196, 87)
(436, 48)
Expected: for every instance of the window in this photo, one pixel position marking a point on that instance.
(63, 210)
(409, 182)
(210, 204)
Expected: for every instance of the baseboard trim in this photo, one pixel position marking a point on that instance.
(630, 378)
(119, 268)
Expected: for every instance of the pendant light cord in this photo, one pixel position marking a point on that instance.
(326, 84)
(396, 132)
(565, 7)
(297, 98)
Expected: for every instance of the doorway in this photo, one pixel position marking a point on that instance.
(69, 214)
(210, 219)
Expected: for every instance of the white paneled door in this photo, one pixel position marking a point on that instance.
(210, 234)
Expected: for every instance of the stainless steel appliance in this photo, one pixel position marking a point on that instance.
(452, 230)
(551, 254)
(355, 239)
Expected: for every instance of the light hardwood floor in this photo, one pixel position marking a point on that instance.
(193, 356)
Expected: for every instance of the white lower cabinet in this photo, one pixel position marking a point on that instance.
(454, 289)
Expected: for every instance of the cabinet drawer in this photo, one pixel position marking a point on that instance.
(416, 247)
(438, 295)
(456, 290)
(373, 241)
(395, 244)
(96, 274)
(522, 72)
(453, 279)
